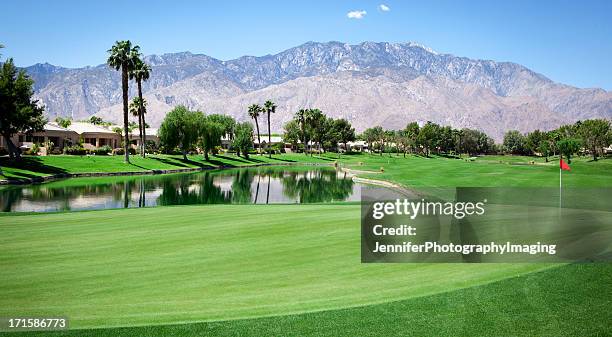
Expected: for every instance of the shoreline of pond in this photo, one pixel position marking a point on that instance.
(60, 176)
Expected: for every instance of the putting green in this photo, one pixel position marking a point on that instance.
(203, 263)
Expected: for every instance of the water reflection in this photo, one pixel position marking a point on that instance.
(263, 185)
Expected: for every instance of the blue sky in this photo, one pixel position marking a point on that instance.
(568, 41)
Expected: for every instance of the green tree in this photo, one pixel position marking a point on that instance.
(372, 136)
(390, 137)
(96, 120)
(567, 147)
(345, 131)
(227, 122)
(140, 72)
(19, 111)
(595, 135)
(269, 108)
(514, 142)
(254, 112)
(63, 122)
(316, 122)
(446, 139)
(243, 139)
(300, 118)
(210, 132)
(292, 132)
(181, 129)
(533, 141)
(403, 141)
(411, 132)
(428, 137)
(123, 57)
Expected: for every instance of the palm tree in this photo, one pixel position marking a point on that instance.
(254, 112)
(141, 72)
(122, 57)
(300, 116)
(269, 107)
(138, 107)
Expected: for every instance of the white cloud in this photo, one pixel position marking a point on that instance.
(356, 14)
(384, 8)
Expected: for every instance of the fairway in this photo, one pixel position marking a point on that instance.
(205, 263)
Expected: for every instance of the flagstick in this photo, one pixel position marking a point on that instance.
(560, 175)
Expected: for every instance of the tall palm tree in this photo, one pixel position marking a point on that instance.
(269, 108)
(138, 107)
(254, 112)
(300, 116)
(139, 73)
(122, 57)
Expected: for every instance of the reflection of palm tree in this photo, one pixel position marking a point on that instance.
(257, 191)
(268, 194)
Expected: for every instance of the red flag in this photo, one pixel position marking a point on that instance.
(563, 165)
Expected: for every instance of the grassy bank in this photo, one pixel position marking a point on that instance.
(32, 166)
(409, 171)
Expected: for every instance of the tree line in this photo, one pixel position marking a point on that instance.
(591, 135)
(429, 138)
(317, 132)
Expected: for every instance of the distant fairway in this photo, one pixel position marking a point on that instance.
(194, 263)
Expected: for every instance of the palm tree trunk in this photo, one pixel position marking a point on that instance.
(124, 86)
(269, 138)
(304, 139)
(258, 137)
(141, 123)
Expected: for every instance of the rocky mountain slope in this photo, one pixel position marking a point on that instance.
(371, 83)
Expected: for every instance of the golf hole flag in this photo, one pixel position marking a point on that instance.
(563, 165)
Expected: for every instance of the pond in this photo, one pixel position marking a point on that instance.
(258, 185)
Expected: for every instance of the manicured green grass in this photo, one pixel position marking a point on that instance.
(40, 166)
(227, 264)
(571, 300)
(485, 171)
(411, 171)
(204, 263)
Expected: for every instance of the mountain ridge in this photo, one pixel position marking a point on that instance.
(200, 81)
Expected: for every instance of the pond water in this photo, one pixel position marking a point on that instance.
(260, 185)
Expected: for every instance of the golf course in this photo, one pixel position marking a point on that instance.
(284, 269)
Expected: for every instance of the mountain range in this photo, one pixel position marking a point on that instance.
(372, 83)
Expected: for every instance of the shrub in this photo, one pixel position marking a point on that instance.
(121, 152)
(34, 150)
(3, 151)
(75, 150)
(103, 150)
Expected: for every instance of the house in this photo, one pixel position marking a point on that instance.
(356, 146)
(93, 136)
(53, 133)
(274, 140)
